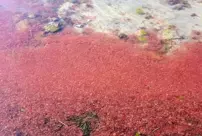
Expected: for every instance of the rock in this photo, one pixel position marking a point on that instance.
(182, 5)
(123, 36)
(173, 2)
(148, 16)
(193, 15)
(52, 27)
(22, 25)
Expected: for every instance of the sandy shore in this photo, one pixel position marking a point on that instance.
(118, 16)
(122, 15)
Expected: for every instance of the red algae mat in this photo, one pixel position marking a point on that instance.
(131, 91)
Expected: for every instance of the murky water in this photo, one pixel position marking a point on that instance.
(13, 6)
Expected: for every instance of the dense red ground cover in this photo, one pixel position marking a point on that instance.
(129, 89)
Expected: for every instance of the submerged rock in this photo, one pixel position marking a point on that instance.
(52, 27)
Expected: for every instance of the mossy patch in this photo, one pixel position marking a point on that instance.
(142, 35)
(140, 11)
(52, 27)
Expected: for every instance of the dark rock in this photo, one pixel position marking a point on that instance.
(148, 17)
(193, 14)
(173, 2)
(179, 4)
(123, 36)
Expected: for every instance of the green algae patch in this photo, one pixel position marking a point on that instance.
(140, 11)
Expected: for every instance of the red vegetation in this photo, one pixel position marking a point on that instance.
(130, 90)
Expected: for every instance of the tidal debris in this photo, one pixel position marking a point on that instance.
(86, 122)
